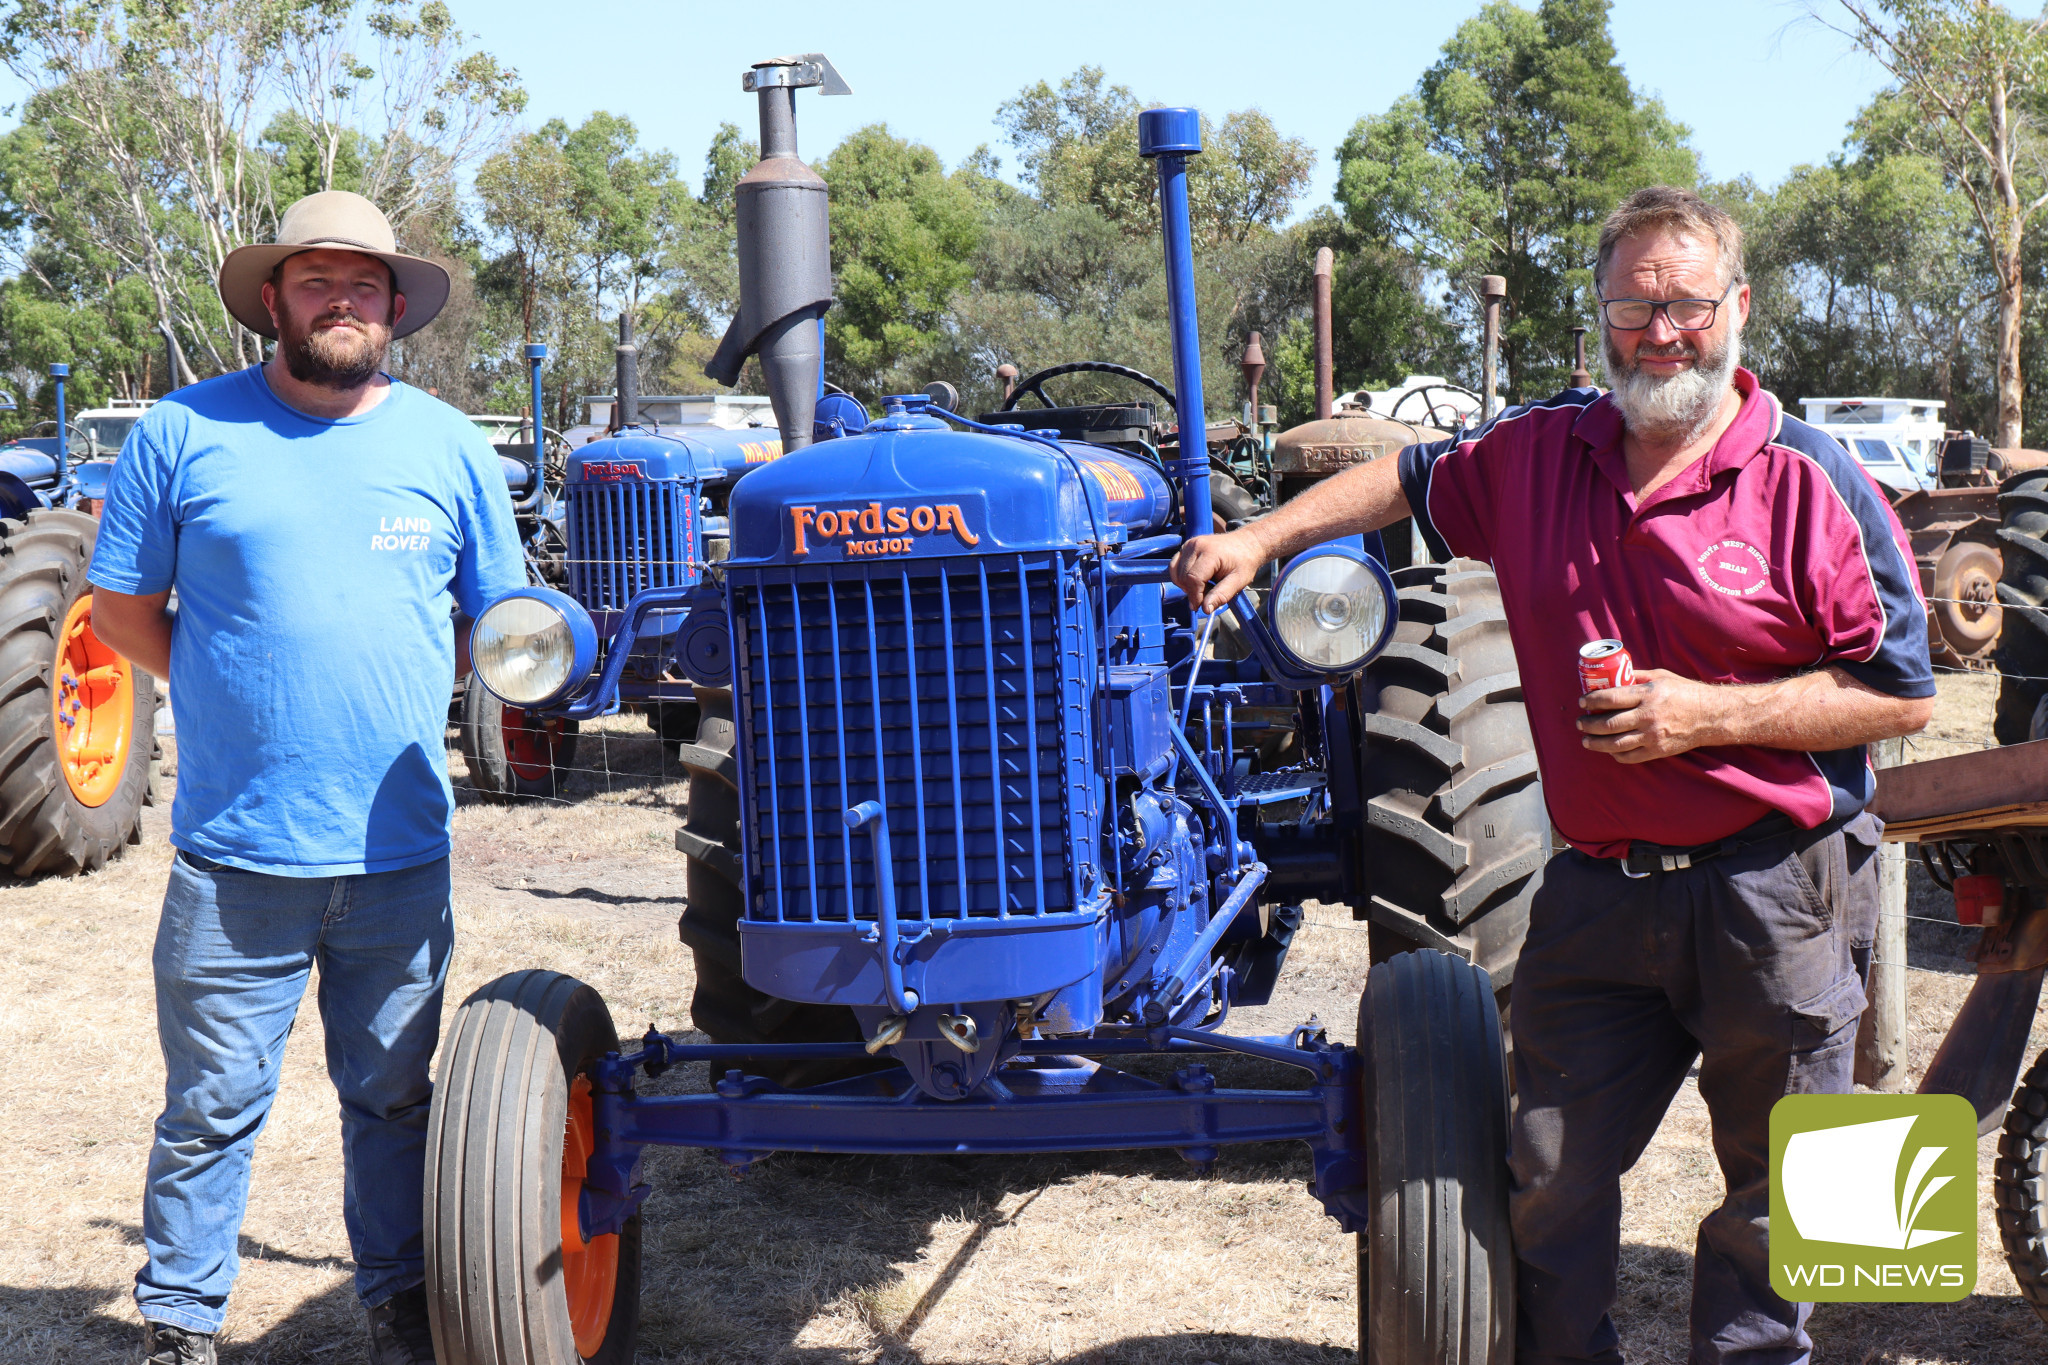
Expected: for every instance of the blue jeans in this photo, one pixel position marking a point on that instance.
(232, 954)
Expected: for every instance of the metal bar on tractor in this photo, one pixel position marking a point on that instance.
(1118, 1121)
(953, 733)
(766, 712)
(803, 726)
(1029, 638)
(867, 589)
(995, 745)
(839, 740)
(924, 888)
(1169, 137)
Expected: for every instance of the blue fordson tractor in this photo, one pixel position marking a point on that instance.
(987, 837)
(639, 510)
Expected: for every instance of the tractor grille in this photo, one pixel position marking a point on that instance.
(948, 690)
(628, 536)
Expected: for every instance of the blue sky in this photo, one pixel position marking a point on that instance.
(1762, 88)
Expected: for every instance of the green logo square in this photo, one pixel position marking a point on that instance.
(1873, 1198)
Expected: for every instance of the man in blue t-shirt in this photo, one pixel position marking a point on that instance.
(317, 520)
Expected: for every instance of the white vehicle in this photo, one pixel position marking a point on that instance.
(109, 426)
(1897, 439)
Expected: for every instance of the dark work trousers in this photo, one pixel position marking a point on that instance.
(1754, 963)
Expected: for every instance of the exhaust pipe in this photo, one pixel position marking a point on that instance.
(626, 405)
(1169, 137)
(1326, 382)
(785, 253)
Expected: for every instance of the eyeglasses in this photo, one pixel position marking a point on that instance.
(1636, 315)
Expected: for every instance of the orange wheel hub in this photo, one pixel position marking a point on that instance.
(93, 700)
(590, 1268)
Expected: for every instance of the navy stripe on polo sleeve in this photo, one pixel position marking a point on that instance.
(1862, 584)
(1418, 463)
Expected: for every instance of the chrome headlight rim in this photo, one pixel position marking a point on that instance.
(1378, 575)
(582, 636)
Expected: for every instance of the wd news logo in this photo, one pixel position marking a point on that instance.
(1873, 1198)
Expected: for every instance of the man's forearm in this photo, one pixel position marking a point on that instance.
(136, 627)
(1662, 714)
(1362, 498)
(1814, 712)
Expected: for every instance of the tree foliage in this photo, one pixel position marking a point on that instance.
(1967, 97)
(1515, 145)
(140, 153)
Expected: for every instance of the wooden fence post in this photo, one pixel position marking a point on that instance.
(1881, 1036)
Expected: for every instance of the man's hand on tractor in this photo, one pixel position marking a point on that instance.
(1213, 569)
(1661, 714)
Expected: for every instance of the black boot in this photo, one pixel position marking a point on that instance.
(163, 1344)
(399, 1334)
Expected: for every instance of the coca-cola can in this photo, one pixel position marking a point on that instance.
(1604, 664)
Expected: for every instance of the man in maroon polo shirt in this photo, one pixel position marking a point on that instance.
(1719, 900)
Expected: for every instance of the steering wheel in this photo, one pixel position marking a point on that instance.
(1431, 406)
(1034, 384)
(77, 433)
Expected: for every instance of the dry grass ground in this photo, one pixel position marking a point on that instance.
(1127, 1259)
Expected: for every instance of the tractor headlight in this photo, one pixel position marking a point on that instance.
(533, 647)
(1333, 608)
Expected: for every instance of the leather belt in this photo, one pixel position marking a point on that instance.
(1644, 859)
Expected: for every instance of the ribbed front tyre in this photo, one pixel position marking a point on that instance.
(1436, 1267)
(511, 1280)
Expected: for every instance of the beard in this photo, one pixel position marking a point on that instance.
(1683, 405)
(338, 356)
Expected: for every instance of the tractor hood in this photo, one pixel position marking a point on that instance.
(909, 486)
(713, 455)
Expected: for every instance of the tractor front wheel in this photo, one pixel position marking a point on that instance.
(513, 754)
(1436, 1266)
(511, 1278)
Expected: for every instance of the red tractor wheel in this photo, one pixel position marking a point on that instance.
(513, 754)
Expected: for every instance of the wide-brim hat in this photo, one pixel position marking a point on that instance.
(332, 220)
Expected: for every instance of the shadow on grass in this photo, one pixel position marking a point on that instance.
(246, 1247)
(591, 893)
(1654, 1306)
(91, 1326)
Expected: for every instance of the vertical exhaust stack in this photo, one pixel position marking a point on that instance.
(1493, 290)
(626, 403)
(785, 253)
(1326, 380)
(1169, 137)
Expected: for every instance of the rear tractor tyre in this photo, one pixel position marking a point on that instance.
(1436, 1265)
(724, 1005)
(510, 1278)
(77, 721)
(1456, 832)
(2019, 1186)
(512, 754)
(675, 722)
(2022, 654)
